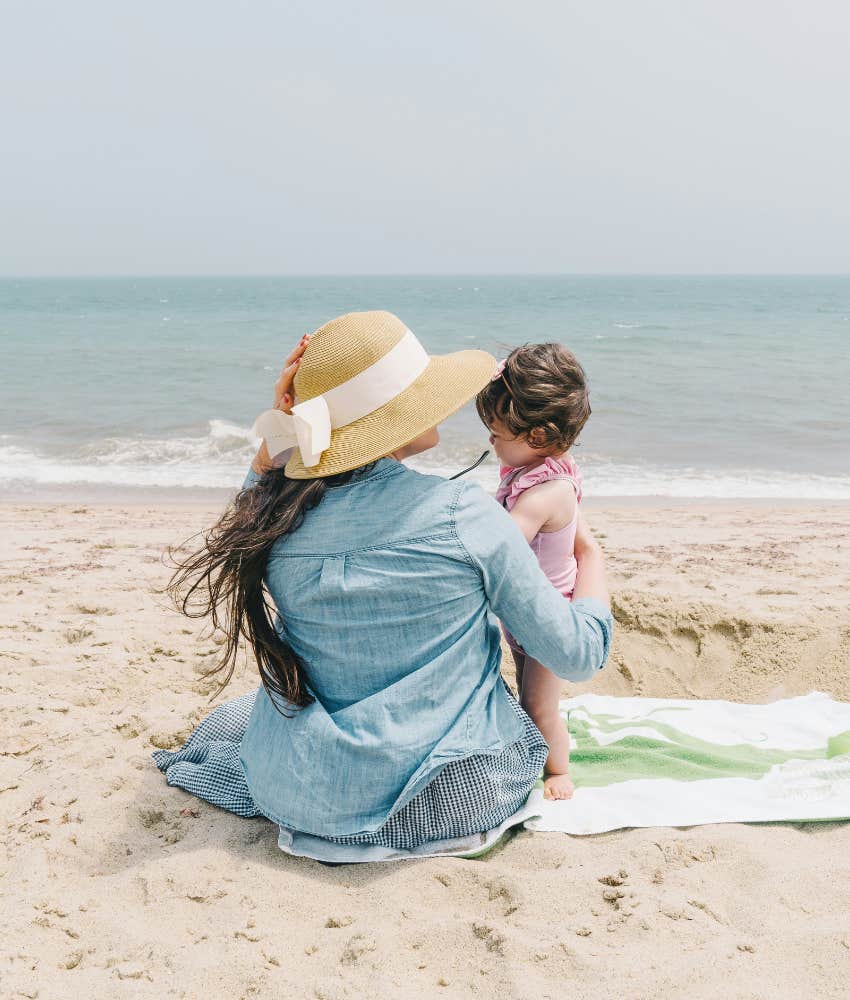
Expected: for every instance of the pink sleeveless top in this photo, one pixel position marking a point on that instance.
(554, 549)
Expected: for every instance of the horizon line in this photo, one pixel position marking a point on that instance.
(423, 274)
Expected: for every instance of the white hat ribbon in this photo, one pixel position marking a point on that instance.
(310, 423)
(308, 426)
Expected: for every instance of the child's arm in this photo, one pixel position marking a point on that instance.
(549, 505)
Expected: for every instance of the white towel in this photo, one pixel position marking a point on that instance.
(672, 762)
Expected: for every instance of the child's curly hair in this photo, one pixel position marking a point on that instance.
(542, 388)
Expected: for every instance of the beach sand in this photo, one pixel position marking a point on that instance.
(117, 886)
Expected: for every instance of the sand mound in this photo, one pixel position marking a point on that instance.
(669, 648)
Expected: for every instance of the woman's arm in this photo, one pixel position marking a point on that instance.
(283, 398)
(571, 638)
(591, 565)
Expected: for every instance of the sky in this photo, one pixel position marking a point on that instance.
(619, 136)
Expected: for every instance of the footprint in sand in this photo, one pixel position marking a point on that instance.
(77, 634)
(131, 727)
(355, 948)
(493, 941)
(504, 891)
(150, 817)
(614, 880)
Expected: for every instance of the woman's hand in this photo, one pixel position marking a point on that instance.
(284, 397)
(584, 539)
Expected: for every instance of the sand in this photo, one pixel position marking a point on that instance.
(117, 886)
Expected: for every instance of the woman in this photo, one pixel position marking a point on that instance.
(383, 723)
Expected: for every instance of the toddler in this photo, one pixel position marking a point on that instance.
(534, 408)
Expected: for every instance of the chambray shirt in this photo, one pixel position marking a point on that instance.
(389, 593)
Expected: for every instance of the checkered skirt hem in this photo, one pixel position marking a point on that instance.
(467, 796)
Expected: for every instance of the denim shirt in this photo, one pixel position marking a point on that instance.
(389, 593)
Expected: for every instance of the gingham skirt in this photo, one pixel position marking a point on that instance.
(467, 797)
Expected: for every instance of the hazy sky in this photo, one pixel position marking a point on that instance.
(198, 136)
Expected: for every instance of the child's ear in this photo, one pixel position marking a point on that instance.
(536, 438)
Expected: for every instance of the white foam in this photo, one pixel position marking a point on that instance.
(220, 457)
(610, 479)
(616, 480)
(225, 429)
(217, 459)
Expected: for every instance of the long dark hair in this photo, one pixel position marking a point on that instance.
(223, 578)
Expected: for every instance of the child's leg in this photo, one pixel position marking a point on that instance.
(541, 690)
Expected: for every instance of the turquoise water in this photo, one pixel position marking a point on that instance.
(733, 386)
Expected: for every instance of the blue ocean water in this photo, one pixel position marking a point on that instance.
(715, 386)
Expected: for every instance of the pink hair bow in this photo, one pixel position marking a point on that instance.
(499, 369)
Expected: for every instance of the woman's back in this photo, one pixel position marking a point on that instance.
(388, 616)
(373, 586)
(385, 593)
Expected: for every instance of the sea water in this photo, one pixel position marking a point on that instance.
(700, 386)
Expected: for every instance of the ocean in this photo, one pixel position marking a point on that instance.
(700, 386)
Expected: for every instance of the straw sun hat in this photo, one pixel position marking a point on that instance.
(364, 388)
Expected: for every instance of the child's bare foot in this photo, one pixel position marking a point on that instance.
(558, 786)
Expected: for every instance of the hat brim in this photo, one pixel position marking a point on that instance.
(449, 381)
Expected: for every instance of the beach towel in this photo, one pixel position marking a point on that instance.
(640, 762)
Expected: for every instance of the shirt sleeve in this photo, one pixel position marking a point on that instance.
(570, 638)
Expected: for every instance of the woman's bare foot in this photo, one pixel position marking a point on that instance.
(558, 786)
